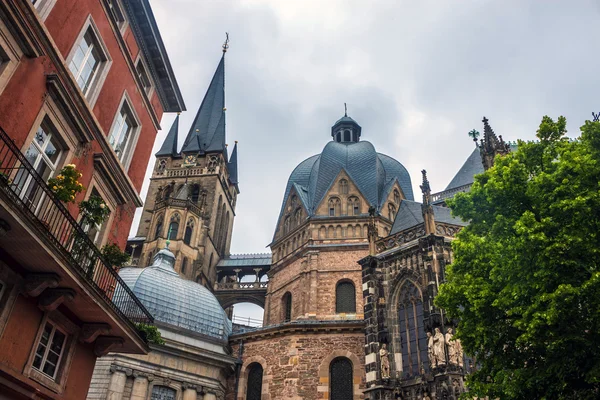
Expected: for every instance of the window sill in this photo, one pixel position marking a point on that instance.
(45, 380)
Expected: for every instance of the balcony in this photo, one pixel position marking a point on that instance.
(59, 262)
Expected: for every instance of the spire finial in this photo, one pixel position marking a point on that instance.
(345, 110)
(226, 44)
(168, 242)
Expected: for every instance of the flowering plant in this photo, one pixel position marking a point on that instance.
(65, 185)
(93, 210)
(114, 256)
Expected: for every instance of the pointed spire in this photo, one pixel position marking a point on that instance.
(169, 146)
(426, 207)
(491, 145)
(232, 166)
(207, 132)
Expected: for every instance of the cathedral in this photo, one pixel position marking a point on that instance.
(347, 289)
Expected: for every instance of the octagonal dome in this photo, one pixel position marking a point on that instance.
(176, 301)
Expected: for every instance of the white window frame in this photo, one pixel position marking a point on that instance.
(94, 89)
(121, 25)
(10, 55)
(71, 331)
(48, 348)
(134, 135)
(43, 7)
(149, 91)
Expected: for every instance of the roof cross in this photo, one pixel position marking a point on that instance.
(596, 117)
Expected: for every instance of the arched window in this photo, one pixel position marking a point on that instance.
(184, 265)
(343, 186)
(287, 307)
(224, 232)
(334, 207)
(189, 229)
(340, 379)
(173, 227)
(391, 211)
(159, 226)
(338, 137)
(162, 165)
(396, 196)
(216, 232)
(255, 376)
(346, 136)
(353, 205)
(162, 393)
(195, 194)
(297, 217)
(286, 225)
(412, 330)
(345, 297)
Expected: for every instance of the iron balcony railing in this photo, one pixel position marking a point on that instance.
(29, 191)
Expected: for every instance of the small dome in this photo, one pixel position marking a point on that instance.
(176, 301)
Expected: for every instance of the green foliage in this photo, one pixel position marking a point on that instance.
(114, 256)
(93, 210)
(150, 333)
(525, 281)
(65, 185)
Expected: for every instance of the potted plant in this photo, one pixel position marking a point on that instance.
(65, 185)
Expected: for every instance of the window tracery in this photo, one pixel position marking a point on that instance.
(334, 207)
(213, 163)
(162, 166)
(353, 205)
(412, 330)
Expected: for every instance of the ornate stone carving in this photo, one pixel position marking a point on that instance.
(438, 347)
(35, 284)
(430, 352)
(385, 362)
(118, 368)
(455, 353)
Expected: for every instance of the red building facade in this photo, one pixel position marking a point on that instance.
(82, 82)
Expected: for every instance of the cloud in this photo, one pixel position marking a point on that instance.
(417, 76)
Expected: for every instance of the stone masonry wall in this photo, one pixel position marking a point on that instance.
(296, 366)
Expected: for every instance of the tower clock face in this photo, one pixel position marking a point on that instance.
(190, 159)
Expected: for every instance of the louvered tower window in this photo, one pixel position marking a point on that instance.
(340, 376)
(255, 375)
(287, 307)
(162, 393)
(345, 298)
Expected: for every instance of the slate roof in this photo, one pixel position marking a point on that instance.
(207, 133)
(245, 260)
(470, 168)
(232, 166)
(169, 146)
(410, 215)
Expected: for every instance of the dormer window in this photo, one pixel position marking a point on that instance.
(346, 135)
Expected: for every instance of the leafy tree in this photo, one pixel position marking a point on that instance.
(525, 281)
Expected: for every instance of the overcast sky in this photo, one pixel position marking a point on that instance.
(417, 76)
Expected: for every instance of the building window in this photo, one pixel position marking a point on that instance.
(162, 165)
(50, 350)
(195, 196)
(122, 132)
(353, 206)
(162, 393)
(255, 376)
(334, 207)
(287, 307)
(142, 72)
(391, 212)
(117, 12)
(412, 331)
(346, 136)
(173, 227)
(184, 265)
(340, 378)
(298, 217)
(343, 186)
(396, 196)
(89, 62)
(43, 7)
(44, 154)
(189, 228)
(159, 226)
(345, 298)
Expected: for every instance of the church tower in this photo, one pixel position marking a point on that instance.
(193, 191)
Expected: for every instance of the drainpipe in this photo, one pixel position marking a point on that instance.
(238, 368)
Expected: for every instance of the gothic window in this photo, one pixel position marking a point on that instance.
(391, 211)
(218, 220)
(343, 186)
(184, 265)
(255, 375)
(213, 162)
(159, 226)
(396, 196)
(345, 297)
(334, 207)
(412, 331)
(162, 393)
(340, 378)
(189, 228)
(223, 240)
(195, 194)
(346, 136)
(162, 165)
(287, 307)
(286, 225)
(173, 227)
(353, 206)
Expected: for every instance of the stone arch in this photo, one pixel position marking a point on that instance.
(357, 373)
(227, 301)
(339, 232)
(358, 231)
(322, 232)
(330, 232)
(243, 383)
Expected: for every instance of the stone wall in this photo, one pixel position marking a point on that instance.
(296, 366)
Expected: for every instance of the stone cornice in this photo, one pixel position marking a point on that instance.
(300, 327)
